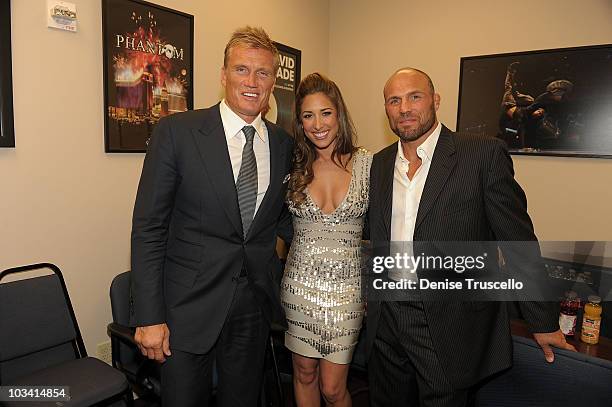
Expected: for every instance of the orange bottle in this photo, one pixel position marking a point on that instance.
(591, 321)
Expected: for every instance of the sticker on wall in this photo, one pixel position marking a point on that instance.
(61, 15)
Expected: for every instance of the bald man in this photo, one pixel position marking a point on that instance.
(436, 185)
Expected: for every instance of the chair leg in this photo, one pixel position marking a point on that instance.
(262, 397)
(129, 397)
(279, 385)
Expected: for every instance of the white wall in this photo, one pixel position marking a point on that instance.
(63, 199)
(569, 198)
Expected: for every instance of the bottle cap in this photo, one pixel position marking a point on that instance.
(594, 299)
(570, 295)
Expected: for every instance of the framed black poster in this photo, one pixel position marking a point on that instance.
(287, 81)
(550, 102)
(148, 70)
(7, 129)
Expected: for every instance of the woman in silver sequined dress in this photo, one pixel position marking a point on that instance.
(321, 287)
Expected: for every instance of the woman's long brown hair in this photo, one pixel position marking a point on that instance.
(305, 152)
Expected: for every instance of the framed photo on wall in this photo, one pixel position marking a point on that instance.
(287, 81)
(7, 129)
(554, 102)
(148, 70)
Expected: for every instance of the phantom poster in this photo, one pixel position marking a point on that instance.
(148, 70)
(287, 81)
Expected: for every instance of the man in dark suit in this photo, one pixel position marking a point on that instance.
(436, 185)
(210, 204)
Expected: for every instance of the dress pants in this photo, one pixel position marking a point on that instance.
(239, 354)
(404, 369)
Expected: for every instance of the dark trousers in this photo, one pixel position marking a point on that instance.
(239, 355)
(403, 369)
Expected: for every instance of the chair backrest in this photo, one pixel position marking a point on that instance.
(120, 298)
(38, 327)
(573, 379)
(144, 374)
(125, 356)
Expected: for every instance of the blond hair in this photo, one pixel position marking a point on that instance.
(252, 37)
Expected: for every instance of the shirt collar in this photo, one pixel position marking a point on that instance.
(233, 124)
(426, 150)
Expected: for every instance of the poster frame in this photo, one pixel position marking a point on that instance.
(524, 58)
(107, 17)
(7, 125)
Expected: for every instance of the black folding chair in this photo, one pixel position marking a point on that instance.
(41, 344)
(142, 373)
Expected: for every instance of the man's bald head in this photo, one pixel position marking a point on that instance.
(410, 71)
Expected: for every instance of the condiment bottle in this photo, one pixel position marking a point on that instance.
(591, 321)
(569, 311)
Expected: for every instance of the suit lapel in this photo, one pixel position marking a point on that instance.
(386, 187)
(212, 145)
(442, 164)
(277, 157)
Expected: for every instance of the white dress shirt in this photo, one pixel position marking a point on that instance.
(407, 196)
(232, 125)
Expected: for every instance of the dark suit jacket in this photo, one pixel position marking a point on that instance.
(187, 240)
(470, 195)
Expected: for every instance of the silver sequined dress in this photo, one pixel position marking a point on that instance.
(321, 287)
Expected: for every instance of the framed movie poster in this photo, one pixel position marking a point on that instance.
(148, 70)
(7, 130)
(287, 81)
(551, 102)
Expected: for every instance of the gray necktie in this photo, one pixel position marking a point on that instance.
(246, 184)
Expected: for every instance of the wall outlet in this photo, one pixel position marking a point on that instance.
(104, 352)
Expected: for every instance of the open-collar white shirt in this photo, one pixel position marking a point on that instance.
(407, 196)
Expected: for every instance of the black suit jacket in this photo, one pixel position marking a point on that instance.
(187, 240)
(470, 195)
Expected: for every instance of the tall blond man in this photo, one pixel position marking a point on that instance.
(210, 204)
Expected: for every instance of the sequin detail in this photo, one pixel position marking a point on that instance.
(321, 287)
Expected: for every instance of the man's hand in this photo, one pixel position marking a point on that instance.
(556, 339)
(153, 341)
